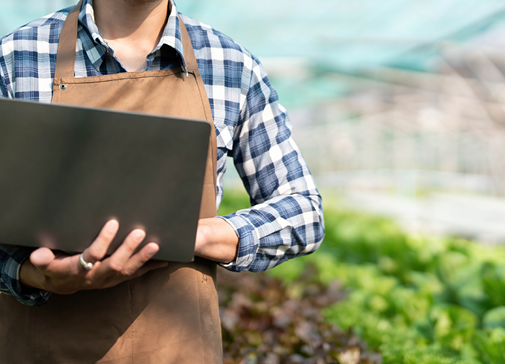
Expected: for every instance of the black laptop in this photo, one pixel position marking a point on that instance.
(65, 171)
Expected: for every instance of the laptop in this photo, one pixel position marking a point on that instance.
(65, 171)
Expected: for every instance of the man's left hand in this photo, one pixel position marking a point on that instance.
(216, 240)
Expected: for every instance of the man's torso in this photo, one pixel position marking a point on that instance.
(28, 56)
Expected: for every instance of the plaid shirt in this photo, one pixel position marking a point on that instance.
(285, 220)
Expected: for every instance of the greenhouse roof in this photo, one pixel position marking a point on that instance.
(338, 34)
(326, 35)
(346, 34)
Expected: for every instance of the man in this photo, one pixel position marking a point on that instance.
(125, 308)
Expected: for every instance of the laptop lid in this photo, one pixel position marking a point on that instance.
(65, 171)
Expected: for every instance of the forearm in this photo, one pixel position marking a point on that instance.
(29, 276)
(11, 260)
(277, 230)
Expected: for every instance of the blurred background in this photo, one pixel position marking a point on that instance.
(399, 108)
(397, 105)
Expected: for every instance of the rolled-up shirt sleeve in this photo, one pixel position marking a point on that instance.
(286, 217)
(12, 257)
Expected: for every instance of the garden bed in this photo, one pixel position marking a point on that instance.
(413, 299)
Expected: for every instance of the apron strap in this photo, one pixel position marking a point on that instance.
(65, 58)
(192, 67)
(187, 47)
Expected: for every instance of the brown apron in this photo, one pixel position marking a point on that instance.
(169, 315)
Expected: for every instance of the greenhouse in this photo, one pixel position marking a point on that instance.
(399, 109)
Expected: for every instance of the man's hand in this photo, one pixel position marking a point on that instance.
(63, 274)
(216, 240)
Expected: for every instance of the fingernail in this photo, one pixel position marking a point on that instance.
(112, 226)
(151, 250)
(138, 236)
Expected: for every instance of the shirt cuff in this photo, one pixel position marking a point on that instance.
(248, 243)
(9, 275)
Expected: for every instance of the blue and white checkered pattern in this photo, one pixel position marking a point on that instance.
(286, 219)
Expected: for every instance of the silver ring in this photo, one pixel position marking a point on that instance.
(85, 264)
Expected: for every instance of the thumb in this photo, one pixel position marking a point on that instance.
(41, 258)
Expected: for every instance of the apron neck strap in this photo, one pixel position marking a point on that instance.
(65, 58)
(187, 47)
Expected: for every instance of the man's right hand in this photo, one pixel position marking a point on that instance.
(63, 274)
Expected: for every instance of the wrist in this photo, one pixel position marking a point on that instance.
(29, 276)
(216, 240)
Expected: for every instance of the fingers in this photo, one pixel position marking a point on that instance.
(97, 250)
(123, 262)
(140, 259)
(126, 249)
(63, 274)
(108, 272)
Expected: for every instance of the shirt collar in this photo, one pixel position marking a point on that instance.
(97, 50)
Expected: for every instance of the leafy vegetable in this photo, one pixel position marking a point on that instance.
(415, 299)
